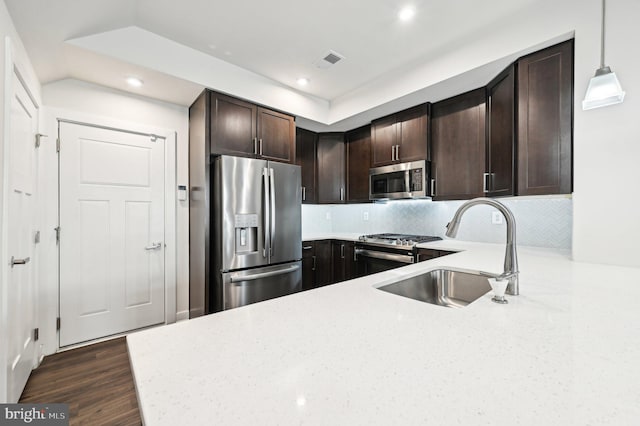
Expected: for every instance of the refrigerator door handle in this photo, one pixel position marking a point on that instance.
(260, 275)
(272, 197)
(266, 212)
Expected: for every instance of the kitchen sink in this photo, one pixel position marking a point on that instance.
(454, 288)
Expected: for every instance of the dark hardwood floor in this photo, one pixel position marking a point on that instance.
(94, 380)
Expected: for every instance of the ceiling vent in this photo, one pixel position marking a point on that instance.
(329, 59)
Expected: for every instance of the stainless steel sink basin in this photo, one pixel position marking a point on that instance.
(445, 287)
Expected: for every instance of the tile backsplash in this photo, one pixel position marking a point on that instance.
(540, 221)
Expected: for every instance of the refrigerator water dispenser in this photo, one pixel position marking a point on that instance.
(246, 230)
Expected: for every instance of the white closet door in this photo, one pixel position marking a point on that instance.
(112, 232)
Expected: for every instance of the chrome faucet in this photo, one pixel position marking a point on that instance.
(510, 257)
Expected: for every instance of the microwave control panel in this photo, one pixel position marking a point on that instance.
(416, 179)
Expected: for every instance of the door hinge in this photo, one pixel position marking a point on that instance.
(36, 334)
(58, 323)
(37, 237)
(57, 144)
(39, 136)
(57, 229)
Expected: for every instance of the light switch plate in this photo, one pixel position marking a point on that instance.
(365, 216)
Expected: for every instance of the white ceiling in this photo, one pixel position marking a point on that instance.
(277, 39)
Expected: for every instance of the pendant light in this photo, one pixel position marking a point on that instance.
(604, 88)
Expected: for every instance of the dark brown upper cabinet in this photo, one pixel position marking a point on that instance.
(306, 143)
(458, 146)
(358, 146)
(331, 168)
(401, 137)
(243, 129)
(499, 179)
(545, 121)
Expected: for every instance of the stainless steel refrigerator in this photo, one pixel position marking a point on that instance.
(256, 241)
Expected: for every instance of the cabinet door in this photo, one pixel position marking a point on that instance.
(233, 126)
(331, 168)
(339, 253)
(413, 129)
(306, 159)
(545, 110)
(384, 138)
(323, 263)
(308, 265)
(358, 160)
(500, 134)
(458, 143)
(276, 136)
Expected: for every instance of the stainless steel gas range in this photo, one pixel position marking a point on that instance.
(381, 252)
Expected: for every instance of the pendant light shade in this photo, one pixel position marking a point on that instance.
(604, 88)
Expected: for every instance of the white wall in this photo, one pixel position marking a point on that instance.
(607, 144)
(73, 97)
(9, 43)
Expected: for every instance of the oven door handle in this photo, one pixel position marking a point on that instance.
(385, 256)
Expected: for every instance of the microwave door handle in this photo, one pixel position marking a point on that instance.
(407, 181)
(272, 197)
(265, 211)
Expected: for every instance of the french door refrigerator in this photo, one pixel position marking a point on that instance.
(256, 241)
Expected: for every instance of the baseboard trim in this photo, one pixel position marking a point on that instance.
(182, 316)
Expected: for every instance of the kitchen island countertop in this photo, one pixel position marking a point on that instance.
(564, 352)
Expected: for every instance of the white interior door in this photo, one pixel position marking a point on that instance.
(111, 232)
(20, 228)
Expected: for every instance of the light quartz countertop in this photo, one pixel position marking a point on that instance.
(564, 352)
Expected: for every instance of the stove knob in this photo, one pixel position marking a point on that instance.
(398, 242)
(410, 242)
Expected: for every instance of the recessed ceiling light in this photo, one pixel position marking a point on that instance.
(406, 13)
(302, 81)
(134, 82)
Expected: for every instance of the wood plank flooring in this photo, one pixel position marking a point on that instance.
(94, 380)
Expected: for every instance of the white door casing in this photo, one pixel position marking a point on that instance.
(112, 216)
(19, 228)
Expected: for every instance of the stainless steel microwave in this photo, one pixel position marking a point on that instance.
(397, 181)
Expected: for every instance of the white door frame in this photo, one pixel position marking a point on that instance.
(51, 118)
(13, 64)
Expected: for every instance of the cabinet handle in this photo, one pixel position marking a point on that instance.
(313, 268)
(307, 247)
(341, 194)
(255, 146)
(397, 152)
(260, 146)
(304, 194)
(485, 184)
(433, 187)
(342, 251)
(393, 152)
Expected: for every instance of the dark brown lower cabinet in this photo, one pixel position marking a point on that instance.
(327, 262)
(316, 264)
(344, 264)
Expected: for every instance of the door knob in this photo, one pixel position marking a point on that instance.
(153, 246)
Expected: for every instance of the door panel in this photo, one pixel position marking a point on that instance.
(238, 203)
(233, 126)
(286, 241)
(112, 232)
(20, 188)
(276, 136)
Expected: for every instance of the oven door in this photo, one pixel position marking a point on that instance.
(371, 260)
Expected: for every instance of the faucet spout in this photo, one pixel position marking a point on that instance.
(511, 256)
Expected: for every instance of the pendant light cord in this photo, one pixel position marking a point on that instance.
(602, 38)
